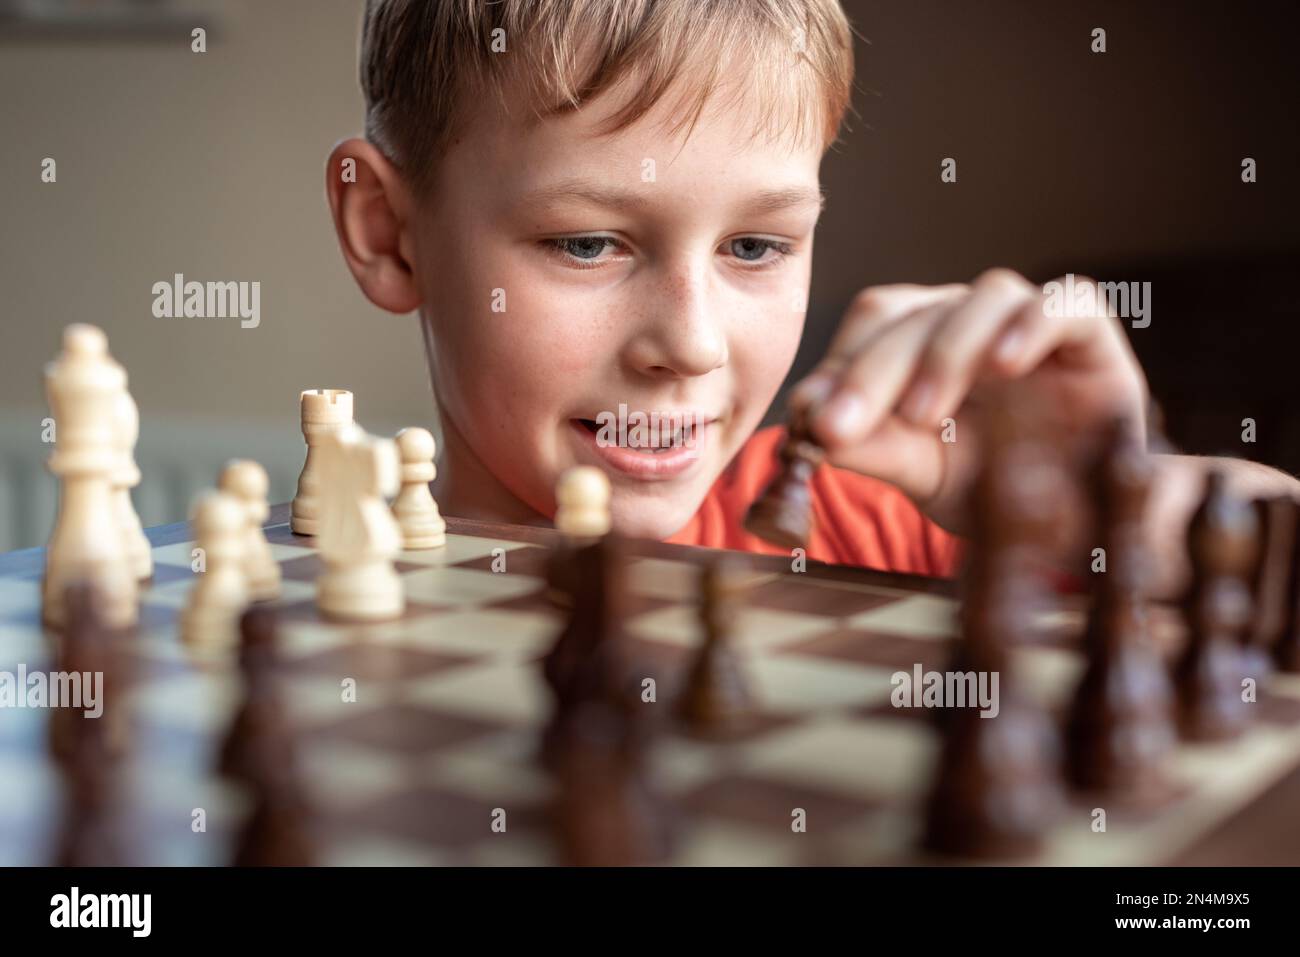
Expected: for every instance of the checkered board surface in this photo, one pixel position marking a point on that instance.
(449, 704)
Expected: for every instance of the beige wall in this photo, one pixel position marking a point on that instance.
(210, 165)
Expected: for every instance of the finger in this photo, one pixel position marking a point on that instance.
(870, 312)
(1082, 341)
(870, 385)
(880, 306)
(954, 356)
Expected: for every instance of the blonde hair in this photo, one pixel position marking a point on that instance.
(423, 62)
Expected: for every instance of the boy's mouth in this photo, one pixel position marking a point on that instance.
(650, 441)
(667, 450)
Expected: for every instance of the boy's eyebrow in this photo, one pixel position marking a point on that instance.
(602, 194)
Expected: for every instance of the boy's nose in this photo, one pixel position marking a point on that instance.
(683, 333)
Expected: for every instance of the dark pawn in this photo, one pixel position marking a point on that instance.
(1222, 540)
(1120, 727)
(995, 790)
(90, 834)
(588, 665)
(87, 646)
(606, 813)
(715, 697)
(1285, 652)
(259, 733)
(1274, 572)
(783, 514)
(276, 834)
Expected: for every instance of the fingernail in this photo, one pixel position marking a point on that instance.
(843, 414)
(1009, 345)
(917, 402)
(815, 389)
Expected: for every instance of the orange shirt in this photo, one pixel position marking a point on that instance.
(856, 520)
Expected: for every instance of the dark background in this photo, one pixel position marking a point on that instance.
(1123, 165)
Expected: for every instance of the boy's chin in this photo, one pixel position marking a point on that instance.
(656, 520)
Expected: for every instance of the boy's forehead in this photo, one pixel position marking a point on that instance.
(575, 154)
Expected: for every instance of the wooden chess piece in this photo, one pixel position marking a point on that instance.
(1273, 577)
(1286, 649)
(783, 514)
(582, 499)
(588, 665)
(83, 386)
(607, 812)
(87, 745)
(995, 788)
(1120, 729)
(582, 515)
(359, 538)
(324, 412)
(277, 832)
(414, 508)
(259, 733)
(126, 428)
(1222, 539)
(246, 481)
(215, 602)
(716, 697)
(86, 647)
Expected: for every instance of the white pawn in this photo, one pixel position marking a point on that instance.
(82, 385)
(126, 428)
(211, 616)
(246, 481)
(582, 503)
(414, 508)
(359, 537)
(324, 413)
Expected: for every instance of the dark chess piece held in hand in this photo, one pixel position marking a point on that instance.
(783, 514)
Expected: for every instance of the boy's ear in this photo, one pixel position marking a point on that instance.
(371, 206)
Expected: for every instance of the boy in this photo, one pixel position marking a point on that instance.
(605, 203)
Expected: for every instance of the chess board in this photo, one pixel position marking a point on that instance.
(442, 734)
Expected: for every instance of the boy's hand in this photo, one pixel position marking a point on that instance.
(908, 357)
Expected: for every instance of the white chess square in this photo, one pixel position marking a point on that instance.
(890, 758)
(756, 628)
(791, 684)
(917, 616)
(465, 586)
(494, 691)
(459, 548)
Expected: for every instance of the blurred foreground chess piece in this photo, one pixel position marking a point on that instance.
(414, 508)
(996, 788)
(84, 386)
(324, 413)
(783, 514)
(126, 428)
(1222, 540)
(246, 481)
(1275, 574)
(716, 698)
(91, 827)
(220, 523)
(582, 501)
(1120, 727)
(358, 535)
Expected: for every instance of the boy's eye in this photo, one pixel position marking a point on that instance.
(583, 247)
(752, 249)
